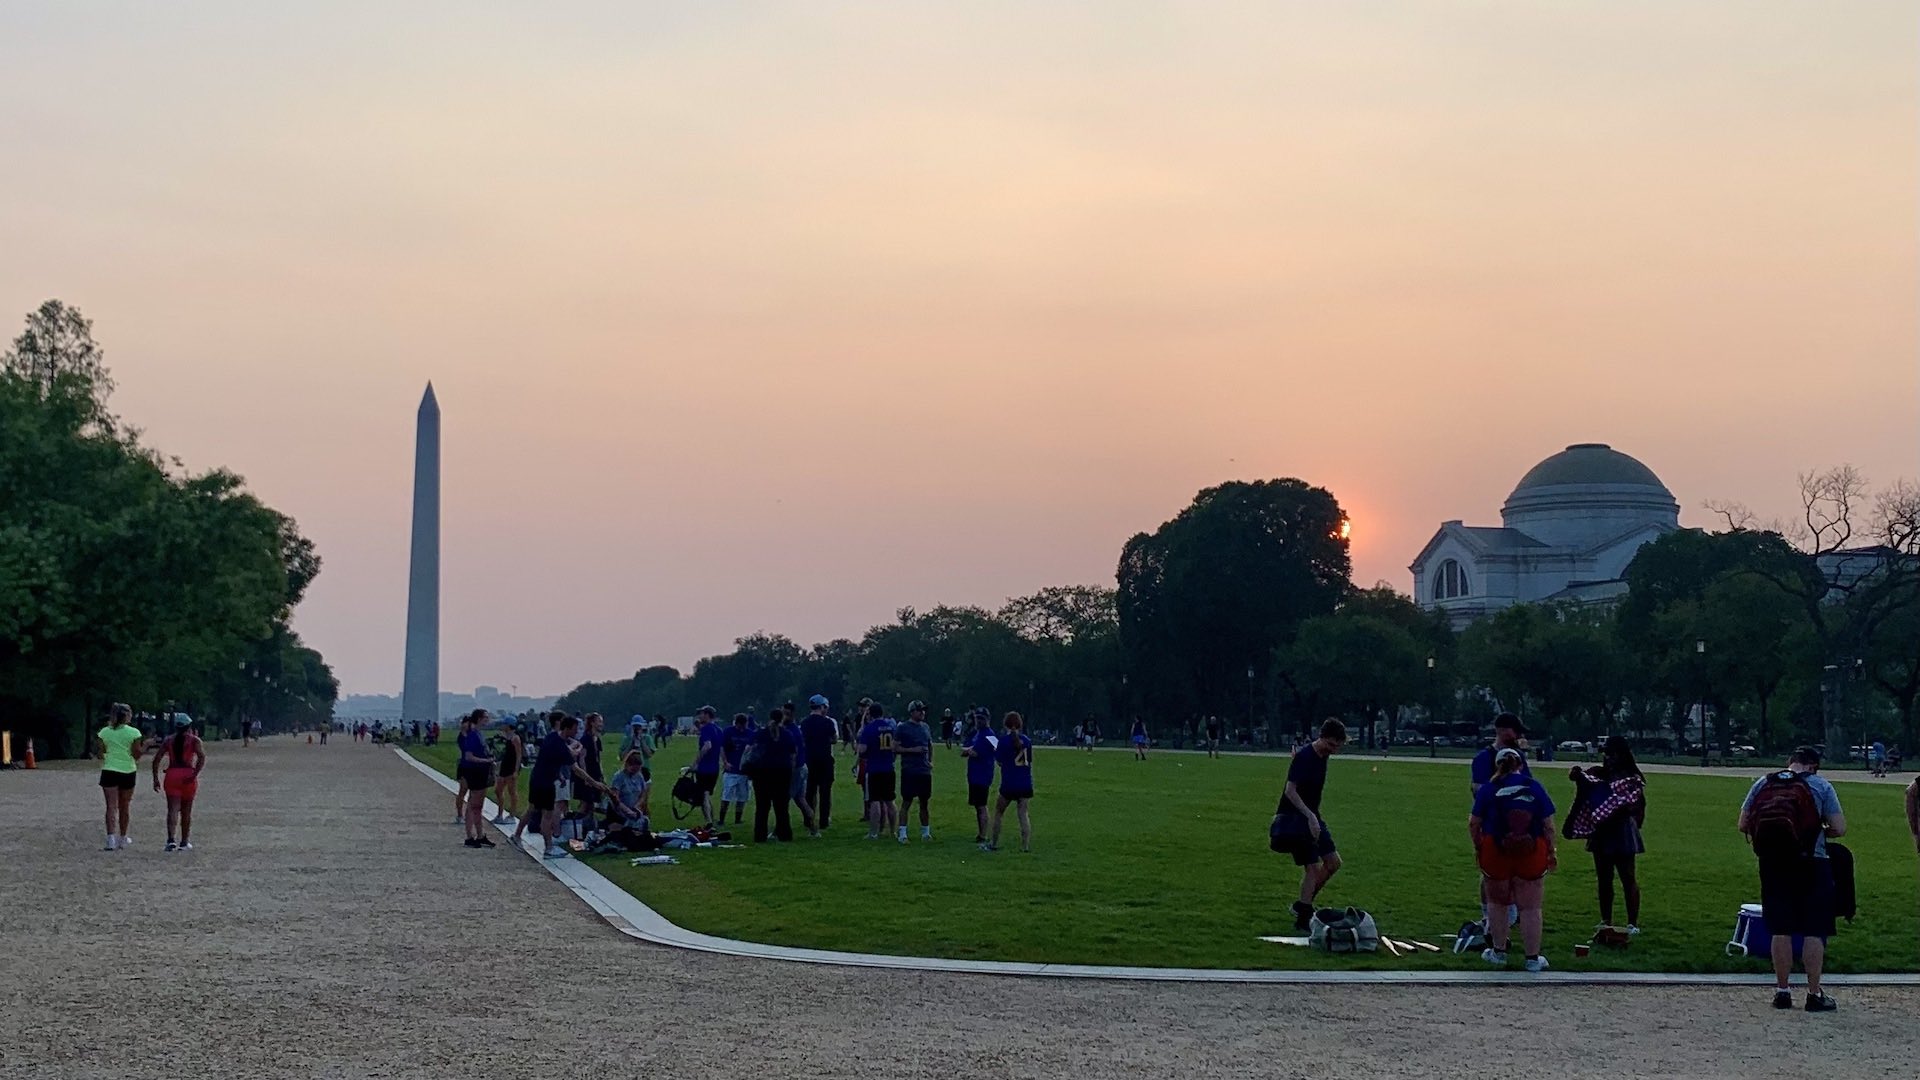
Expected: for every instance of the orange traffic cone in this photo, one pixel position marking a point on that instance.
(309, 738)
(32, 762)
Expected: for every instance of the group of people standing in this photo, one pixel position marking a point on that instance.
(120, 746)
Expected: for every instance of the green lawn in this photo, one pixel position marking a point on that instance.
(1165, 863)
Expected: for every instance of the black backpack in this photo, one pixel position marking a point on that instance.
(1785, 817)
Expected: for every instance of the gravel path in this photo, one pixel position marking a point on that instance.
(330, 924)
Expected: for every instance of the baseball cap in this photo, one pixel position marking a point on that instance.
(1510, 722)
(706, 710)
(818, 701)
(916, 706)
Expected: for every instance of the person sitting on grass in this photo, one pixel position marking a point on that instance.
(1512, 832)
(631, 793)
(1298, 815)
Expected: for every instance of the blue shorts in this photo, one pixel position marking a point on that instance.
(1312, 851)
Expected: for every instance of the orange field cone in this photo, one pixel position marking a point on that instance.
(309, 738)
(32, 762)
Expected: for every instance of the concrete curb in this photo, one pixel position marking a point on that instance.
(628, 915)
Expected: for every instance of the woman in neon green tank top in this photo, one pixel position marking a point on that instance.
(119, 744)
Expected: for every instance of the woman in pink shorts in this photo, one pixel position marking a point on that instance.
(185, 757)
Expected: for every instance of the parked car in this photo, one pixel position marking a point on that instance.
(1573, 746)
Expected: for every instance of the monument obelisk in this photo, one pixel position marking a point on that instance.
(420, 691)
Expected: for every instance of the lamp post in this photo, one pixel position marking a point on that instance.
(1700, 654)
(1432, 708)
(1249, 704)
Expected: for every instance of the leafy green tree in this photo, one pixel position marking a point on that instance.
(1353, 665)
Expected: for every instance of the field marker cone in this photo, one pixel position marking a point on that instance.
(32, 762)
(309, 738)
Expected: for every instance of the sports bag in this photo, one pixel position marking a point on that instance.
(1785, 817)
(1349, 931)
(1846, 901)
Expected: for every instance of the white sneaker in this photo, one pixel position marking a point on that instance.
(1494, 957)
(184, 846)
(926, 834)
(557, 853)
(113, 843)
(171, 846)
(1633, 931)
(1537, 964)
(126, 841)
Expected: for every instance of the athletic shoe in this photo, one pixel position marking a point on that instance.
(1302, 915)
(471, 842)
(458, 818)
(171, 846)
(487, 841)
(1494, 956)
(126, 841)
(1537, 964)
(113, 843)
(1821, 1002)
(184, 846)
(979, 839)
(989, 847)
(556, 853)
(903, 838)
(813, 834)
(926, 834)
(1633, 931)
(1783, 999)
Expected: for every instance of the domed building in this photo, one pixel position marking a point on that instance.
(1568, 531)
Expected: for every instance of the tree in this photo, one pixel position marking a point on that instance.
(1555, 661)
(1212, 593)
(58, 359)
(1352, 664)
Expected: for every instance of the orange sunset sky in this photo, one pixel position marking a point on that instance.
(784, 316)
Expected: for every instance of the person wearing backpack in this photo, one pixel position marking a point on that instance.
(1513, 838)
(1788, 817)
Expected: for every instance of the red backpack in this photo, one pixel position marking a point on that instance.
(1785, 817)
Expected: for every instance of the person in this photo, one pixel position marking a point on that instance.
(1509, 733)
(949, 728)
(324, 728)
(554, 774)
(1139, 739)
(1615, 843)
(476, 775)
(506, 788)
(706, 758)
(735, 789)
(1511, 829)
(1913, 811)
(818, 732)
(1298, 817)
(1213, 736)
(1877, 758)
(913, 741)
(637, 740)
(775, 751)
(631, 792)
(587, 800)
(1015, 758)
(797, 782)
(1788, 817)
(185, 757)
(119, 747)
(980, 754)
(876, 752)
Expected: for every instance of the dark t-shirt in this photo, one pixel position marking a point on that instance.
(592, 763)
(555, 760)
(909, 734)
(819, 732)
(1308, 774)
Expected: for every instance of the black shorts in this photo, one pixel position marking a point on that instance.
(540, 796)
(1016, 794)
(707, 781)
(121, 781)
(977, 794)
(880, 787)
(1312, 851)
(476, 777)
(1797, 896)
(916, 786)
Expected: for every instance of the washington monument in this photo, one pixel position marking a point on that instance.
(420, 692)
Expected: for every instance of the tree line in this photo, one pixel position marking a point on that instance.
(125, 576)
(1243, 607)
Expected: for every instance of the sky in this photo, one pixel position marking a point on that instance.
(752, 316)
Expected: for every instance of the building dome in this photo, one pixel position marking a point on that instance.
(1589, 494)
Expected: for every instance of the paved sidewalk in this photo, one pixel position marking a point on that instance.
(332, 925)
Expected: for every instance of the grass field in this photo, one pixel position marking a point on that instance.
(1165, 863)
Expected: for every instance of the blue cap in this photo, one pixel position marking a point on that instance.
(818, 701)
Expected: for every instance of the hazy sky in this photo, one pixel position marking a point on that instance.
(782, 317)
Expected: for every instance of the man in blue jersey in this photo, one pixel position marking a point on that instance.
(1015, 757)
(876, 750)
(735, 788)
(913, 739)
(706, 760)
(979, 751)
(1508, 733)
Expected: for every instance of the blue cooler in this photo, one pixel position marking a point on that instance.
(1752, 939)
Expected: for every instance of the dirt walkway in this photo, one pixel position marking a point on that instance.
(331, 925)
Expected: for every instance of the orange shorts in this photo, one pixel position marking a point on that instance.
(180, 783)
(1500, 866)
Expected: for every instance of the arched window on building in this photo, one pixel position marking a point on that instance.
(1450, 582)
